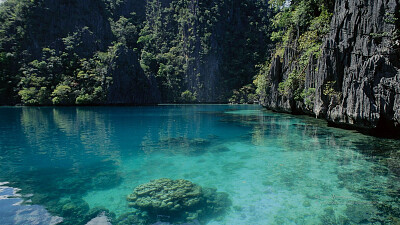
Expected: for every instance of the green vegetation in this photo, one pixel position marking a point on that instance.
(188, 97)
(51, 62)
(330, 91)
(178, 41)
(262, 81)
(310, 30)
(244, 95)
(189, 51)
(62, 78)
(390, 18)
(309, 97)
(299, 27)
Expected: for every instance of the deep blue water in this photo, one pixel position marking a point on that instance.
(69, 164)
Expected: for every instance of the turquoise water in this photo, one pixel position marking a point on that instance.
(72, 163)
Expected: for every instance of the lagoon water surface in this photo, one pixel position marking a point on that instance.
(69, 164)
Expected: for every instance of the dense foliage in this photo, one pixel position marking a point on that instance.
(299, 28)
(48, 57)
(65, 52)
(245, 95)
(180, 41)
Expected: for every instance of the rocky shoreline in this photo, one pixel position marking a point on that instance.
(357, 76)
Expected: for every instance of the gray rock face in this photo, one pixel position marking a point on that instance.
(361, 56)
(221, 50)
(274, 99)
(57, 19)
(130, 85)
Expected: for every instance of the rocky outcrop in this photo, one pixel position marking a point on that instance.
(219, 42)
(50, 20)
(359, 64)
(86, 26)
(130, 85)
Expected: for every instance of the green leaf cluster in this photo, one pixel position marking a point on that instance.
(309, 97)
(188, 97)
(244, 95)
(299, 26)
(62, 78)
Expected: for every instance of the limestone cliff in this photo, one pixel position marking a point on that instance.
(357, 76)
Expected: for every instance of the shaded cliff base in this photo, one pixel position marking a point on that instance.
(383, 129)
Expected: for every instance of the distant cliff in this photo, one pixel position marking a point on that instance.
(97, 52)
(354, 79)
(72, 53)
(203, 50)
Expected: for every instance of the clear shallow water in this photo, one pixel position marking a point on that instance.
(276, 168)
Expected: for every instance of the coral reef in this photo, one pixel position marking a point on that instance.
(381, 201)
(177, 201)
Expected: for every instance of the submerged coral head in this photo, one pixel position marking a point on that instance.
(178, 201)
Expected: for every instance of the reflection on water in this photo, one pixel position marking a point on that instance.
(13, 211)
(80, 163)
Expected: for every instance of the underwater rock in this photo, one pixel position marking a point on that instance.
(360, 213)
(179, 145)
(184, 142)
(381, 199)
(135, 217)
(106, 180)
(71, 184)
(75, 208)
(330, 217)
(196, 222)
(76, 211)
(165, 195)
(97, 215)
(178, 201)
(217, 200)
(101, 219)
(60, 190)
(222, 149)
(393, 161)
